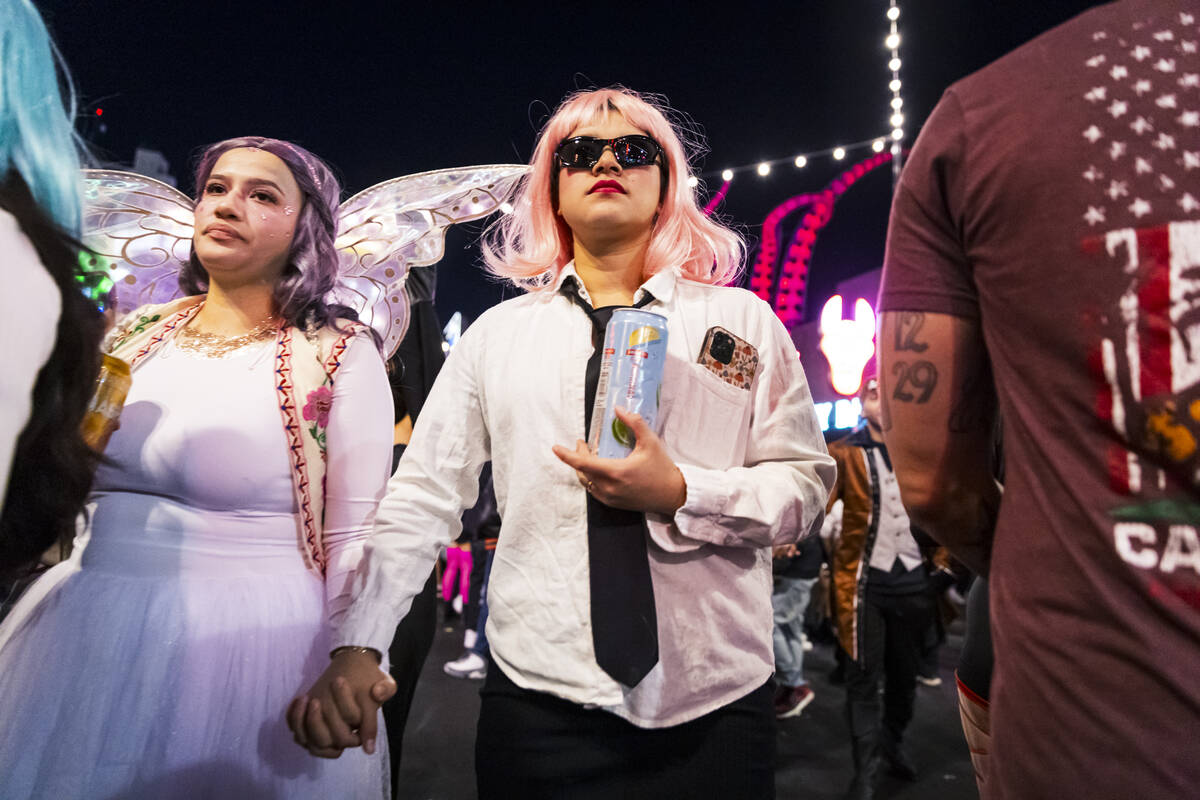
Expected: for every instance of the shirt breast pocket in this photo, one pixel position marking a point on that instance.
(707, 420)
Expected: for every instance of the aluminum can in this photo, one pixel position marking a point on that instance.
(631, 369)
(112, 385)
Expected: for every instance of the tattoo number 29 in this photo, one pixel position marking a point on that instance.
(915, 381)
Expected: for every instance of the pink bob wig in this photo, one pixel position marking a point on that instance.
(531, 245)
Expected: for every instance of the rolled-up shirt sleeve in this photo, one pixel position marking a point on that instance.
(781, 490)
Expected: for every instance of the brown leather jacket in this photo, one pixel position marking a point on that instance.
(857, 488)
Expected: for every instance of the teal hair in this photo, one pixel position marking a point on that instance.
(36, 135)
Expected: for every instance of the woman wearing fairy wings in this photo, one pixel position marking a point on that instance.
(670, 698)
(226, 520)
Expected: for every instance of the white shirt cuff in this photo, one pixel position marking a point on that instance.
(366, 625)
(693, 524)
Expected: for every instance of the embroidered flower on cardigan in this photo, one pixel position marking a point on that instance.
(317, 405)
(316, 411)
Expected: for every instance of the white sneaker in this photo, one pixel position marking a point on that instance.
(457, 604)
(469, 665)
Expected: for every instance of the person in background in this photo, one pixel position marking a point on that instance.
(928, 665)
(51, 331)
(629, 610)
(1043, 250)
(482, 522)
(883, 605)
(456, 576)
(795, 571)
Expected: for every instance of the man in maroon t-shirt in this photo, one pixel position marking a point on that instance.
(1046, 231)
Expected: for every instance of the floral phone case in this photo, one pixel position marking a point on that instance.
(729, 357)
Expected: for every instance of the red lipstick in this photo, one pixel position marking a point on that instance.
(609, 187)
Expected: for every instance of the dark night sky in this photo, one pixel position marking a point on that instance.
(381, 89)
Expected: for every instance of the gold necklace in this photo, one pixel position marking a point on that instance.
(212, 345)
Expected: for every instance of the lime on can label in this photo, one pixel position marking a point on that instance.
(631, 369)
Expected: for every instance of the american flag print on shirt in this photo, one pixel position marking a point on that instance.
(1142, 192)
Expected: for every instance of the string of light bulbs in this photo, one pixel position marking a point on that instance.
(839, 152)
(892, 42)
(764, 168)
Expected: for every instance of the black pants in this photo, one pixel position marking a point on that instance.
(893, 630)
(533, 746)
(410, 645)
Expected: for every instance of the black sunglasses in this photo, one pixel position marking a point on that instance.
(582, 152)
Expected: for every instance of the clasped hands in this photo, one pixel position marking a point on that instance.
(341, 709)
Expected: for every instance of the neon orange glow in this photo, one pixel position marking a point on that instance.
(848, 344)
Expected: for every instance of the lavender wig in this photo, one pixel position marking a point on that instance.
(312, 265)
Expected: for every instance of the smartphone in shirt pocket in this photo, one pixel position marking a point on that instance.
(729, 357)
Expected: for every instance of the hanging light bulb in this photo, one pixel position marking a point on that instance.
(892, 41)
(893, 13)
(877, 145)
(800, 162)
(692, 181)
(894, 65)
(727, 175)
(894, 85)
(764, 169)
(839, 153)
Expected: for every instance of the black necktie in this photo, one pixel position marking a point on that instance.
(624, 621)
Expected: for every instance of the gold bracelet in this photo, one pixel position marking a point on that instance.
(350, 648)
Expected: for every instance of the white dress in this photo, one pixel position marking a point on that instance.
(159, 660)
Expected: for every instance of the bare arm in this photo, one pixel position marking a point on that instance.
(939, 415)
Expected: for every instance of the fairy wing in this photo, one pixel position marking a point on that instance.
(401, 223)
(139, 231)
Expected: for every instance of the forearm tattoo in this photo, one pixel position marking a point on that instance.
(908, 325)
(915, 381)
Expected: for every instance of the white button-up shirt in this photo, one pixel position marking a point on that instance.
(757, 474)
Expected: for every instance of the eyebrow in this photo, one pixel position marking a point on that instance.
(252, 181)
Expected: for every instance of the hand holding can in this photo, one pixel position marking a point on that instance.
(104, 411)
(635, 350)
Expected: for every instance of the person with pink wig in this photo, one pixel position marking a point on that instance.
(630, 599)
